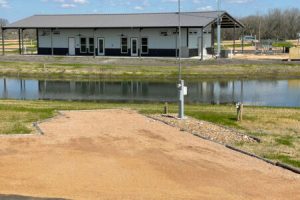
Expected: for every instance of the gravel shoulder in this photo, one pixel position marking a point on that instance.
(119, 154)
(205, 129)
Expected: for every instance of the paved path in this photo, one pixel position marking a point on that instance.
(118, 154)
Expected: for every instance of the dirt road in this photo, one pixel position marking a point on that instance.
(118, 154)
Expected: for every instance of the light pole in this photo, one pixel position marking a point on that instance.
(219, 29)
(181, 87)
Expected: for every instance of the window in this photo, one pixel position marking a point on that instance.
(144, 45)
(83, 46)
(91, 45)
(124, 45)
(164, 33)
(56, 32)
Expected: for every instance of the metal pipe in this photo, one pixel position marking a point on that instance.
(181, 82)
(179, 40)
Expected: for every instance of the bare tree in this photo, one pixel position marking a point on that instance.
(277, 24)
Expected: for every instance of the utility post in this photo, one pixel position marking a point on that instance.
(219, 29)
(181, 87)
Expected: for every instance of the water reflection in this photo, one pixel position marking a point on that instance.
(253, 92)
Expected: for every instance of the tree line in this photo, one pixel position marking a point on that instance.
(277, 24)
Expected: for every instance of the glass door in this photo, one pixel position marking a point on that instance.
(101, 47)
(134, 47)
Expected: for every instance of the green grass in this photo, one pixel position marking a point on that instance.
(285, 140)
(283, 158)
(54, 69)
(222, 118)
(282, 44)
(226, 46)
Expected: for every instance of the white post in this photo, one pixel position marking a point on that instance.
(181, 82)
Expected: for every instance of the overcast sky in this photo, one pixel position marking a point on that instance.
(17, 9)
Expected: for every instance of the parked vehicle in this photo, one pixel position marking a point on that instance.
(249, 38)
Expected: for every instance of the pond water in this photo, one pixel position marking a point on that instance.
(283, 93)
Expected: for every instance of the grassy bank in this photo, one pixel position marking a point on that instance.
(278, 128)
(126, 68)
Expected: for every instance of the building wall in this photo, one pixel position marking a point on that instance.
(195, 40)
(158, 44)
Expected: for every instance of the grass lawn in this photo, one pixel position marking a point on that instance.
(139, 69)
(278, 128)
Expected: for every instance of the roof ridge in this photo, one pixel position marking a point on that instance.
(159, 13)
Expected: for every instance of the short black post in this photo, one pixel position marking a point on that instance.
(166, 108)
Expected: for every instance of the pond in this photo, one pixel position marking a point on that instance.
(283, 93)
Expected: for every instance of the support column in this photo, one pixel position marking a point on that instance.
(51, 38)
(94, 42)
(3, 45)
(22, 41)
(213, 34)
(219, 37)
(234, 36)
(243, 41)
(19, 34)
(187, 37)
(176, 43)
(140, 42)
(37, 41)
(202, 35)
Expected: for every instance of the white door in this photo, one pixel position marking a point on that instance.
(71, 46)
(101, 47)
(134, 47)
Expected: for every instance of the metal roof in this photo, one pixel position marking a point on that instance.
(138, 20)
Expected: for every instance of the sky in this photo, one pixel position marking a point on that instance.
(17, 9)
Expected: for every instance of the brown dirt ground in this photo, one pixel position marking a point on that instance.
(119, 154)
(261, 56)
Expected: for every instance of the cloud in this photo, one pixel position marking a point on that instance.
(138, 8)
(170, 1)
(4, 4)
(239, 1)
(205, 8)
(67, 3)
(80, 1)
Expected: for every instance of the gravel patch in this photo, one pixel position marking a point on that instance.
(205, 129)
